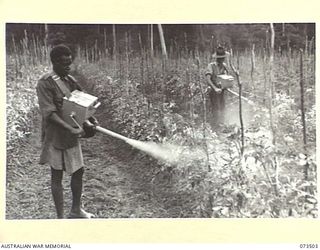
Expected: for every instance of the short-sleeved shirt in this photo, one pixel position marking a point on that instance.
(50, 99)
(214, 69)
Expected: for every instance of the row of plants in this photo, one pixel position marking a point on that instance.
(224, 184)
(21, 102)
(161, 101)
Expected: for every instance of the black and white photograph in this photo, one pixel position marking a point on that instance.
(148, 120)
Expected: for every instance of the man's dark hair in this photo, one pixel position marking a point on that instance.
(58, 51)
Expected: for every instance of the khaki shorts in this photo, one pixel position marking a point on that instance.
(69, 160)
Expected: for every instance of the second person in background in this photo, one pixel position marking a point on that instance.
(216, 92)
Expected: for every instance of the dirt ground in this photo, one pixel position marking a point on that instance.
(118, 183)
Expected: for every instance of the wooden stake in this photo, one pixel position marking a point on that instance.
(105, 41)
(151, 41)
(271, 87)
(303, 119)
(240, 103)
(46, 36)
(162, 41)
(16, 57)
(204, 113)
(127, 62)
(114, 51)
(96, 54)
(141, 62)
(264, 76)
(252, 62)
(35, 54)
(271, 97)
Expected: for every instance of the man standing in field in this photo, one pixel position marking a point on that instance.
(61, 148)
(216, 93)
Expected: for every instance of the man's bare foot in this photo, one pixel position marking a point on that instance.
(80, 215)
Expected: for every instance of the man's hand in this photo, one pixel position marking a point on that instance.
(77, 131)
(212, 85)
(93, 120)
(89, 127)
(218, 90)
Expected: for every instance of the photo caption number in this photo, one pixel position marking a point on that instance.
(308, 246)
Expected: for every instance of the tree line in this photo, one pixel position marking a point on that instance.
(178, 37)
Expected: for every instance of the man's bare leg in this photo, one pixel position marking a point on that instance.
(76, 188)
(57, 191)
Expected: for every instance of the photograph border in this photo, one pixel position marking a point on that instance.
(154, 230)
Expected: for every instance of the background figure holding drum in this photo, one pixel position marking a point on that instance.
(216, 92)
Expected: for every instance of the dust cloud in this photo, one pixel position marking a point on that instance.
(168, 153)
(231, 116)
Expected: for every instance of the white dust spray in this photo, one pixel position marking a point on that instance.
(168, 153)
(165, 152)
(231, 116)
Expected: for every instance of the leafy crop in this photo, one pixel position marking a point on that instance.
(161, 101)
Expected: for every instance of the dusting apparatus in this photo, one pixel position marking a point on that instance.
(225, 81)
(80, 106)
